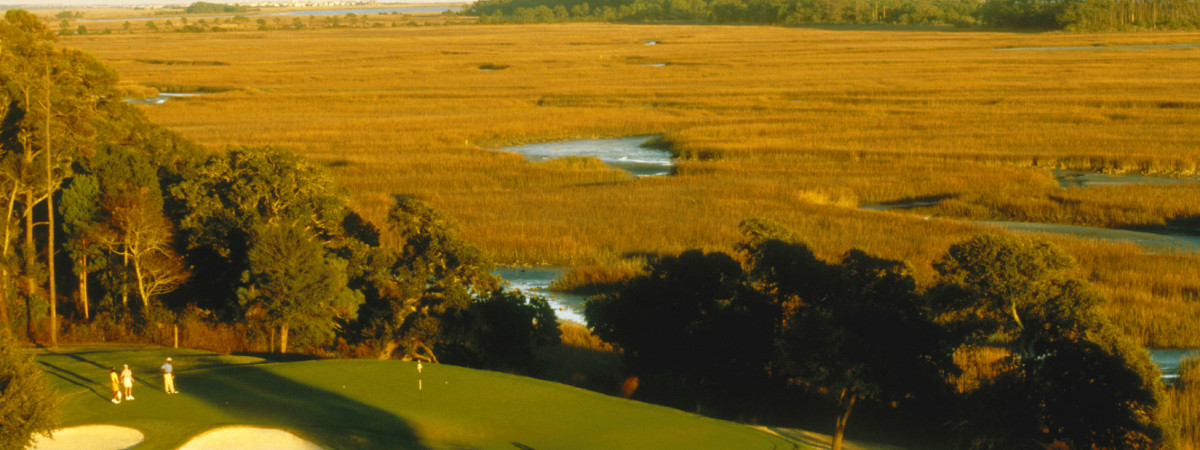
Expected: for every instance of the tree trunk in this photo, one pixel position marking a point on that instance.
(176, 328)
(845, 404)
(283, 332)
(388, 349)
(83, 287)
(125, 282)
(141, 286)
(27, 277)
(271, 343)
(53, 294)
(5, 276)
(4, 301)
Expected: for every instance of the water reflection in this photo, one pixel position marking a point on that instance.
(1154, 242)
(626, 154)
(536, 281)
(1075, 178)
(1168, 359)
(160, 99)
(1097, 47)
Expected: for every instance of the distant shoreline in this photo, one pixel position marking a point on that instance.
(61, 4)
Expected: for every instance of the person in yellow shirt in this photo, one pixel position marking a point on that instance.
(116, 384)
(168, 377)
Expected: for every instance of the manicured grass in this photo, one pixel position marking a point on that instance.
(369, 404)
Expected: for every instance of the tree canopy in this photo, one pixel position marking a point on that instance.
(859, 329)
(1071, 376)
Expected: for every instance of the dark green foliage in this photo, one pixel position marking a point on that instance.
(782, 12)
(502, 331)
(1005, 288)
(409, 289)
(692, 329)
(1074, 379)
(1035, 14)
(219, 204)
(27, 404)
(243, 187)
(206, 7)
(1080, 15)
(850, 331)
(292, 283)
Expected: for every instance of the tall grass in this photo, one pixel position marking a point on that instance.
(800, 125)
(1184, 402)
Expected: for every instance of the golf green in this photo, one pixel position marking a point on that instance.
(351, 403)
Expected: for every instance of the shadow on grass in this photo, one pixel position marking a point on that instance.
(78, 379)
(276, 357)
(254, 395)
(71, 377)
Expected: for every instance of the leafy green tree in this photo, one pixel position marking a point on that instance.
(692, 329)
(81, 214)
(141, 235)
(1073, 377)
(207, 7)
(850, 331)
(410, 290)
(220, 203)
(292, 283)
(26, 50)
(500, 332)
(61, 95)
(27, 403)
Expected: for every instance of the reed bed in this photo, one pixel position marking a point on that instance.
(798, 125)
(1183, 403)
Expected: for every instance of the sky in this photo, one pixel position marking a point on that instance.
(6, 4)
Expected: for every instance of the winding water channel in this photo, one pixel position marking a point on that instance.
(1153, 240)
(160, 98)
(536, 281)
(628, 154)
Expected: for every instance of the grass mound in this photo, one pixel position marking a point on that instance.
(369, 404)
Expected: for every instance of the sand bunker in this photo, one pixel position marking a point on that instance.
(90, 437)
(248, 437)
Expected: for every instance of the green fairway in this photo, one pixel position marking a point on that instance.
(369, 404)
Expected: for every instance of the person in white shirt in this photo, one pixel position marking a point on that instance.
(127, 381)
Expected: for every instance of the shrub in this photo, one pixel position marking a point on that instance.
(27, 404)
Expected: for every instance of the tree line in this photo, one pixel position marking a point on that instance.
(121, 227)
(773, 327)
(1075, 15)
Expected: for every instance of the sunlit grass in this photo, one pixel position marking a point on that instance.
(1184, 402)
(367, 404)
(799, 125)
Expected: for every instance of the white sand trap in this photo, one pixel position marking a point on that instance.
(90, 437)
(248, 437)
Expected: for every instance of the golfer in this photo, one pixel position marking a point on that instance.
(127, 380)
(116, 384)
(168, 377)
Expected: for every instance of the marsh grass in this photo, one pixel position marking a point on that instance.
(796, 124)
(1184, 402)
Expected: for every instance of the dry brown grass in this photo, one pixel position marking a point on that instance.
(979, 364)
(1183, 403)
(798, 125)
